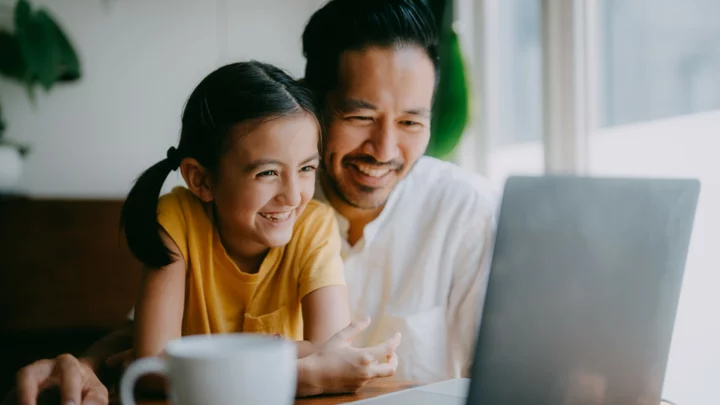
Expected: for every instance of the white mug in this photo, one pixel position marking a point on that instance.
(223, 369)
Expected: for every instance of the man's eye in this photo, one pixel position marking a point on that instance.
(358, 118)
(308, 169)
(410, 123)
(267, 173)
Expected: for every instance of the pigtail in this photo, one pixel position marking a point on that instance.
(139, 214)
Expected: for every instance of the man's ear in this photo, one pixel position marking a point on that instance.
(197, 178)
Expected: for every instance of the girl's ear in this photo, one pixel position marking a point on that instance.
(197, 178)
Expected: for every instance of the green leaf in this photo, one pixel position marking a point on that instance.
(451, 106)
(22, 16)
(2, 125)
(11, 64)
(47, 53)
(68, 68)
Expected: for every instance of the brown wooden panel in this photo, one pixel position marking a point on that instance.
(64, 264)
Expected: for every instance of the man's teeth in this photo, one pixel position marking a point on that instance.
(372, 171)
(277, 217)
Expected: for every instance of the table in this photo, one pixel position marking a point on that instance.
(369, 391)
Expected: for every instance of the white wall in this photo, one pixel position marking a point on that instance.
(140, 60)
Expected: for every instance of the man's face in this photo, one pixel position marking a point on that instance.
(378, 121)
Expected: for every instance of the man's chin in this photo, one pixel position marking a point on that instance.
(365, 198)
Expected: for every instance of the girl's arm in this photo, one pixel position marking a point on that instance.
(158, 313)
(325, 313)
(160, 305)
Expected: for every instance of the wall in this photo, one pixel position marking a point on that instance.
(140, 62)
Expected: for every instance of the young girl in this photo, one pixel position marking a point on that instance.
(243, 247)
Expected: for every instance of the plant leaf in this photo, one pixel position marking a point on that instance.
(36, 47)
(47, 53)
(11, 63)
(2, 124)
(451, 106)
(22, 16)
(68, 65)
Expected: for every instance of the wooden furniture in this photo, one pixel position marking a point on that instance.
(66, 278)
(369, 391)
(372, 390)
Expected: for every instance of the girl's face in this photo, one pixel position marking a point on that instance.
(264, 181)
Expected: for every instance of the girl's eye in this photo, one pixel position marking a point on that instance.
(267, 173)
(308, 169)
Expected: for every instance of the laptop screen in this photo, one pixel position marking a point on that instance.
(583, 291)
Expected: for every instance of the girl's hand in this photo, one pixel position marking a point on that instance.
(338, 367)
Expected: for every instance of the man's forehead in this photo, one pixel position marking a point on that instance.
(346, 104)
(374, 77)
(356, 64)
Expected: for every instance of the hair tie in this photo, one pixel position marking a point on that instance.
(174, 158)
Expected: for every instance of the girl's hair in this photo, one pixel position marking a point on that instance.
(230, 95)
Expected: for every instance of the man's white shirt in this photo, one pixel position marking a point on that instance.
(421, 268)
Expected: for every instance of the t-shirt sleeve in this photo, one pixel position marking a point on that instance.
(323, 265)
(171, 218)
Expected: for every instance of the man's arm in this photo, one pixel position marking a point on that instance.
(77, 378)
(116, 342)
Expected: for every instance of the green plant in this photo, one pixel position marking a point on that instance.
(37, 53)
(451, 107)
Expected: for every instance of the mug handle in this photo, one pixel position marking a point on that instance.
(136, 370)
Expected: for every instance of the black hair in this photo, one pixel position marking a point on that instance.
(230, 95)
(344, 25)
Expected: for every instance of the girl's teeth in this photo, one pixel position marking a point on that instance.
(371, 171)
(277, 217)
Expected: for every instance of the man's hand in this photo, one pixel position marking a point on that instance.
(337, 367)
(77, 382)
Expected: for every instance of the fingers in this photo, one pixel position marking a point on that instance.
(95, 392)
(67, 371)
(29, 380)
(393, 361)
(352, 330)
(380, 370)
(386, 348)
(381, 360)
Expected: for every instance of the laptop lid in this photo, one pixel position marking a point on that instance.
(583, 291)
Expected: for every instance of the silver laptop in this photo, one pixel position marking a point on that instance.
(582, 295)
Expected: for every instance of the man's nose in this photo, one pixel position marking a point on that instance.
(383, 145)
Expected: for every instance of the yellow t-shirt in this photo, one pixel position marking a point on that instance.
(220, 298)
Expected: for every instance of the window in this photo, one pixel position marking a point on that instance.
(659, 59)
(644, 92)
(508, 68)
(658, 115)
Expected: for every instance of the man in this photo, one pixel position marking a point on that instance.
(417, 230)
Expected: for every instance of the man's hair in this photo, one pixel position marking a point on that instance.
(344, 25)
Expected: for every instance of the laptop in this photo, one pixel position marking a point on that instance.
(582, 295)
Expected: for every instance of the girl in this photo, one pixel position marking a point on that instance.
(243, 247)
